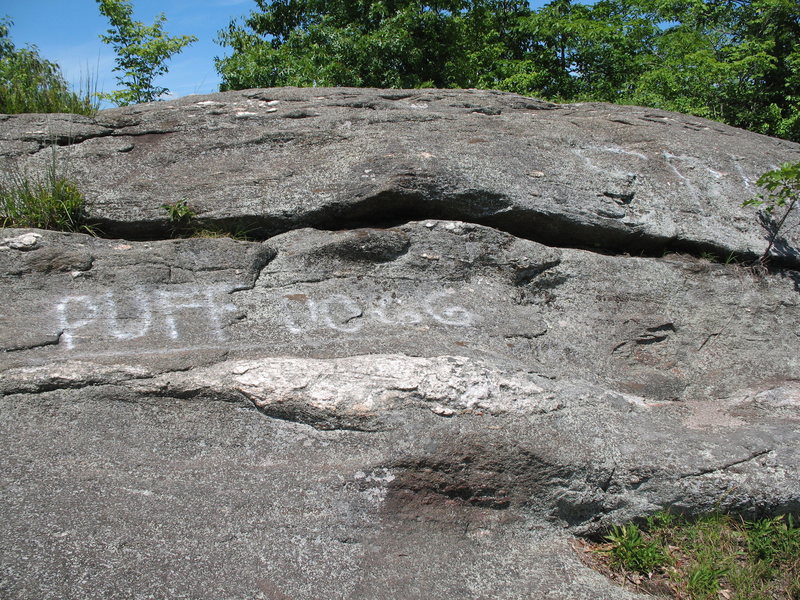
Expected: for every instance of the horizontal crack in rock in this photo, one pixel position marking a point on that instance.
(51, 341)
(395, 208)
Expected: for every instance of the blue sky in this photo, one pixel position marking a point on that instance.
(67, 32)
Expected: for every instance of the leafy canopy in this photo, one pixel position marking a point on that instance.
(390, 43)
(737, 61)
(142, 52)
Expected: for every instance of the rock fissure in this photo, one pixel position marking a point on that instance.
(50, 341)
(538, 228)
(47, 141)
(728, 465)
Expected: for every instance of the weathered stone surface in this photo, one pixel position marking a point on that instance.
(594, 175)
(409, 406)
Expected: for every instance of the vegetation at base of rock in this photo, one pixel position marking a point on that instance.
(734, 61)
(31, 84)
(180, 216)
(142, 52)
(782, 187)
(212, 232)
(46, 201)
(631, 551)
(714, 556)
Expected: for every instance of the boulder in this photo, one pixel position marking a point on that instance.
(466, 327)
(615, 178)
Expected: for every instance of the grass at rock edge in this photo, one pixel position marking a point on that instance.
(713, 557)
(45, 200)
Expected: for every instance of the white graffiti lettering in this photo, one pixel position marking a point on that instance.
(447, 315)
(194, 315)
(129, 322)
(137, 313)
(70, 319)
(340, 313)
(176, 304)
(347, 315)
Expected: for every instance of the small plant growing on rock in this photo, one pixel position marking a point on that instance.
(183, 224)
(782, 187)
(179, 212)
(180, 216)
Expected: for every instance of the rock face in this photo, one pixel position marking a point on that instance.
(592, 175)
(471, 325)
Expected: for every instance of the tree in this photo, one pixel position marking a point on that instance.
(589, 52)
(736, 61)
(142, 51)
(29, 83)
(390, 43)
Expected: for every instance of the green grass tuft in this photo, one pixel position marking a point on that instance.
(46, 201)
(629, 549)
(183, 224)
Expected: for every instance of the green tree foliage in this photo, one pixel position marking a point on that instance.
(29, 83)
(737, 61)
(390, 43)
(782, 187)
(590, 52)
(142, 52)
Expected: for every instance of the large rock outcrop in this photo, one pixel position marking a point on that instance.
(468, 326)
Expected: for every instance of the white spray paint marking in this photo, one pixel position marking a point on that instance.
(189, 314)
(70, 319)
(449, 315)
(135, 314)
(176, 303)
(131, 327)
(401, 316)
(669, 157)
(747, 181)
(342, 313)
(618, 150)
(347, 308)
(291, 318)
(607, 169)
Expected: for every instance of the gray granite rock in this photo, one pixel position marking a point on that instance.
(589, 175)
(426, 378)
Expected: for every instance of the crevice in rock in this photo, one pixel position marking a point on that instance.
(413, 201)
(727, 465)
(66, 140)
(318, 419)
(622, 198)
(51, 341)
